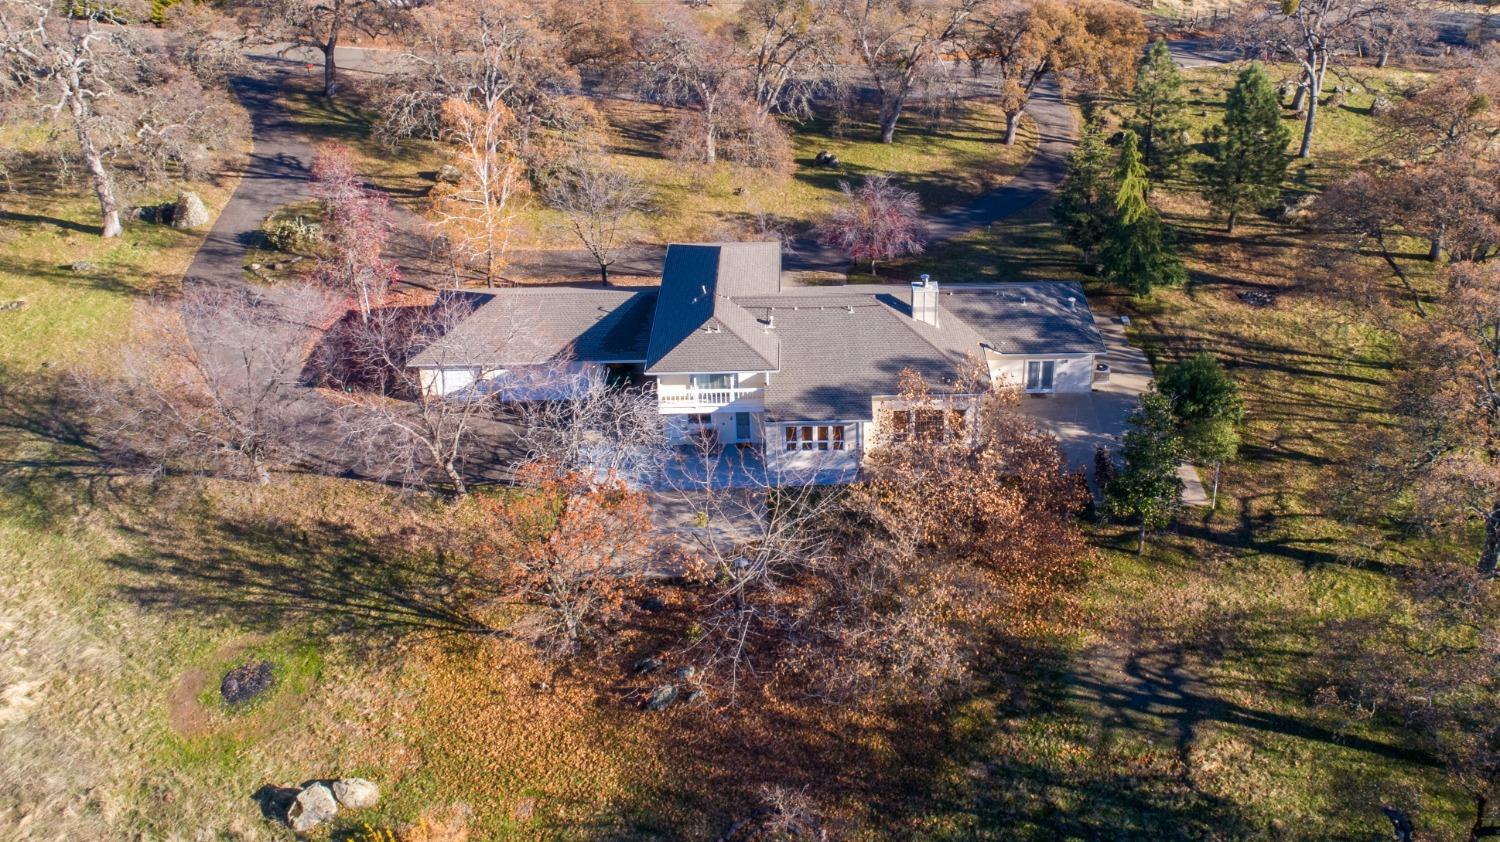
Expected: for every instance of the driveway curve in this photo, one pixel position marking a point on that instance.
(278, 170)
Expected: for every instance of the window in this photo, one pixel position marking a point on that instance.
(700, 420)
(1039, 375)
(715, 381)
(817, 437)
(923, 424)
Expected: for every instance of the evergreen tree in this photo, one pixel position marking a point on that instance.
(1248, 149)
(1146, 487)
(1206, 402)
(1138, 253)
(1160, 112)
(1084, 206)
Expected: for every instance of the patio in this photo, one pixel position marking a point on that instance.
(1084, 422)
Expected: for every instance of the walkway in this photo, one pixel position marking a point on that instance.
(1083, 423)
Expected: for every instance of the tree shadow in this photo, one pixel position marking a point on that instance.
(262, 574)
(65, 224)
(49, 464)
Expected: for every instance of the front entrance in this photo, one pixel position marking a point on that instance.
(1039, 375)
(742, 427)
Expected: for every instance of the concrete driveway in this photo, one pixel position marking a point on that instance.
(1082, 423)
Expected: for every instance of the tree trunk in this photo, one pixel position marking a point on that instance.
(1213, 502)
(1012, 121)
(890, 114)
(1233, 218)
(104, 186)
(1489, 559)
(1140, 545)
(604, 272)
(262, 472)
(1435, 251)
(1312, 118)
(330, 66)
(1299, 98)
(1385, 56)
(460, 489)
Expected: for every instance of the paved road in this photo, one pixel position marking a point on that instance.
(275, 175)
(276, 141)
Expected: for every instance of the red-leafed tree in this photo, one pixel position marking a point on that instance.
(877, 221)
(356, 226)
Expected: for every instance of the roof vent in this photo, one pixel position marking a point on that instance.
(770, 322)
(1072, 300)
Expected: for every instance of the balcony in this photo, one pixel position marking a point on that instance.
(688, 399)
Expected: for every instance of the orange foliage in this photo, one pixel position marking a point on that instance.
(573, 546)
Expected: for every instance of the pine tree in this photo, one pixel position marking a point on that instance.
(1138, 253)
(1207, 403)
(1160, 112)
(1084, 206)
(1146, 488)
(1248, 149)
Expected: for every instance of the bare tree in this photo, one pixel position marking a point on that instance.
(574, 547)
(761, 533)
(599, 203)
(1312, 33)
(896, 39)
(120, 95)
(579, 422)
(877, 221)
(685, 67)
(415, 427)
(1397, 31)
(790, 47)
(322, 24)
(477, 215)
(356, 224)
(487, 53)
(212, 384)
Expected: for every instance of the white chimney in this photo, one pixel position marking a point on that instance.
(924, 300)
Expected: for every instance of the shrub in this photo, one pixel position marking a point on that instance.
(295, 235)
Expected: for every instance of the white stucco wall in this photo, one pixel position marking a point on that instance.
(678, 426)
(1074, 373)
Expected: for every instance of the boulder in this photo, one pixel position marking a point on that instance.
(81, 267)
(18, 304)
(662, 697)
(313, 806)
(646, 666)
(1381, 105)
(449, 174)
(686, 673)
(356, 793)
(189, 212)
(246, 681)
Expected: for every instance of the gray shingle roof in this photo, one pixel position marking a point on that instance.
(697, 326)
(842, 345)
(721, 308)
(1027, 318)
(531, 326)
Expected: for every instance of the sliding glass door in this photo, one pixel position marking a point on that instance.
(1039, 375)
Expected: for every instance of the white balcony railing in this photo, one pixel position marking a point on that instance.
(704, 397)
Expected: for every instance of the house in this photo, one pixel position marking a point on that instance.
(799, 373)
